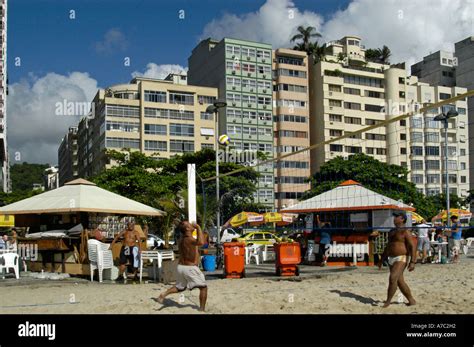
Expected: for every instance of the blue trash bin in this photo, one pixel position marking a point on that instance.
(209, 262)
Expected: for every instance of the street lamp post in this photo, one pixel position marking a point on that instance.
(214, 108)
(443, 117)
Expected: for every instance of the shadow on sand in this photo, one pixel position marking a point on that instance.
(171, 303)
(360, 298)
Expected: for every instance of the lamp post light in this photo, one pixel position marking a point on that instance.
(214, 108)
(444, 117)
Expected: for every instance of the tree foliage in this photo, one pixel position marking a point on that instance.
(24, 175)
(389, 180)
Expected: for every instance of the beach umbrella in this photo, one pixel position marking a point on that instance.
(279, 218)
(245, 217)
(452, 212)
(416, 218)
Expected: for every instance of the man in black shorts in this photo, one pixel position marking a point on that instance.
(130, 250)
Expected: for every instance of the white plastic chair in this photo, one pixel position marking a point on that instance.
(253, 251)
(151, 255)
(100, 257)
(10, 261)
(468, 244)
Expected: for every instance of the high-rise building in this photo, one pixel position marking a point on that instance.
(67, 157)
(242, 72)
(157, 117)
(348, 92)
(290, 124)
(4, 162)
(51, 178)
(452, 69)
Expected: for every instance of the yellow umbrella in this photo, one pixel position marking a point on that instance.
(416, 218)
(452, 212)
(279, 218)
(245, 217)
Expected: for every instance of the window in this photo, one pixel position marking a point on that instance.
(180, 146)
(263, 54)
(352, 91)
(264, 84)
(432, 164)
(246, 83)
(365, 81)
(207, 145)
(292, 133)
(462, 151)
(378, 137)
(352, 120)
(432, 179)
(463, 166)
(403, 123)
(234, 50)
(122, 111)
(432, 191)
(155, 129)
(117, 142)
(151, 145)
(233, 113)
(381, 151)
(290, 60)
(335, 118)
(373, 94)
(369, 150)
(335, 88)
(250, 52)
(248, 67)
(291, 73)
(290, 180)
(129, 127)
(417, 179)
(352, 105)
(291, 103)
(265, 147)
(233, 82)
(286, 118)
(264, 69)
(416, 150)
(333, 132)
(336, 148)
(369, 121)
(153, 96)
(444, 96)
(264, 100)
(463, 179)
(416, 122)
(234, 130)
(403, 137)
(452, 165)
(461, 110)
(233, 97)
(181, 129)
(353, 149)
(416, 137)
(403, 150)
(265, 131)
(373, 108)
(292, 164)
(336, 103)
(205, 99)
(181, 98)
(432, 150)
(251, 115)
(290, 88)
(431, 123)
(417, 164)
(232, 65)
(207, 116)
(432, 137)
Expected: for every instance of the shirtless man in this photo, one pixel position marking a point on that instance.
(189, 276)
(400, 246)
(130, 250)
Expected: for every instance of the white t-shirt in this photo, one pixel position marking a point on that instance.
(423, 230)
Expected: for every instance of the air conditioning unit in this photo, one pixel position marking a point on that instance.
(265, 123)
(233, 56)
(233, 121)
(251, 89)
(331, 122)
(264, 76)
(330, 93)
(233, 87)
(249, 74)
(264, 90)
(233, 72)
(264, 106)
(263, 60)
(233, 104)
(248, 57)
(249, 105)
(330, 107)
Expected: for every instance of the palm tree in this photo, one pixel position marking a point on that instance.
(319, 52)
(305, 34)
(384, 54)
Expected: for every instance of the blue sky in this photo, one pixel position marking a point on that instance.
(41, 33)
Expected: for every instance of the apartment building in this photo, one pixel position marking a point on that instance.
(242, 72)
(4, 162)
(51, 178)
(67, 157)
(452, 69)
(290, 125)
(157, 117)
(348, 92)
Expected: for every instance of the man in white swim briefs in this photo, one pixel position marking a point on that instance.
(400, 248)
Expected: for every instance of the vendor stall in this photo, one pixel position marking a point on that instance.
(60, 222)
(353, 213)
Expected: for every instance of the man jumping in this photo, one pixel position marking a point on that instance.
(189, 275)
(400, 245)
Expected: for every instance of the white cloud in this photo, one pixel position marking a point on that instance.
(34, 130)
(275, 22)
(113, 40)
(411, 29)
(159, 71)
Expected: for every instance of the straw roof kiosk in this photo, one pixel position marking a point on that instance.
(60, 221)
(354, 212)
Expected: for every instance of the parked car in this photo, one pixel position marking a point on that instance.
(259, 238)
(155, 241)
(229, 234)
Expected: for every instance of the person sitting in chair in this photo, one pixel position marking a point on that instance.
(129, 254)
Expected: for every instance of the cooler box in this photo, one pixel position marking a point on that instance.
(234, 259)
(288, 256)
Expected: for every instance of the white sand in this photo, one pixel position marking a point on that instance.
(437, 288)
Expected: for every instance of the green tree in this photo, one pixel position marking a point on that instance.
(25, 174)
(389, 180)
(378, 55)
(305, 34)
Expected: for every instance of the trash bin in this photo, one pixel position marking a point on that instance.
(288, 256)
(209, 262)
(234, 259)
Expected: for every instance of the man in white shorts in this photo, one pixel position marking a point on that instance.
(423, 240)
(189, 275)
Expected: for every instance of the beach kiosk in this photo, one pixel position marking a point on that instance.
(355, 214)
(60, 221)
